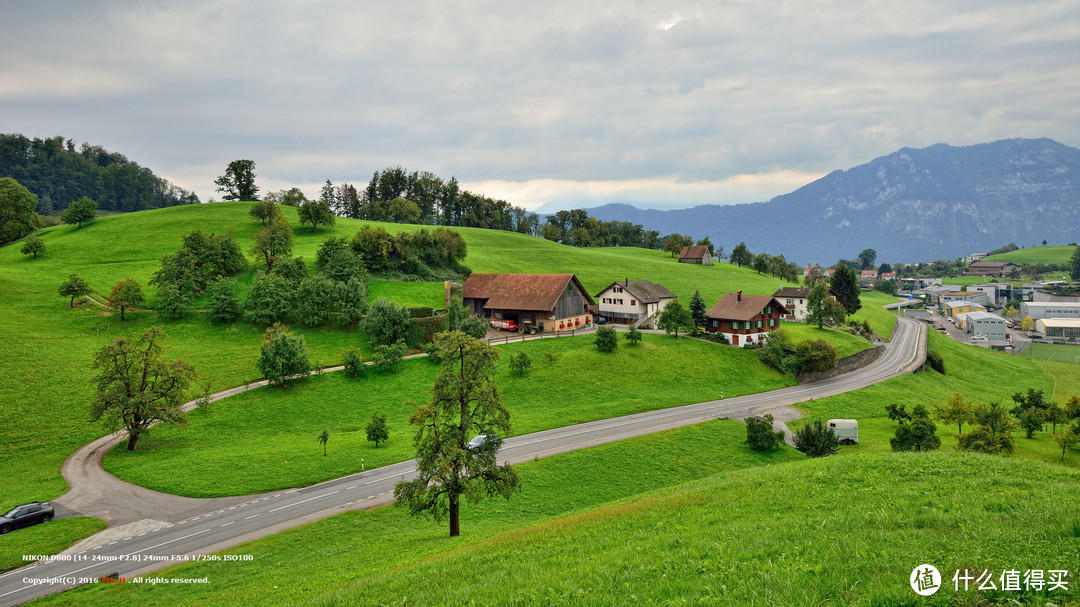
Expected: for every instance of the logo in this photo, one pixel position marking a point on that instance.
(925, 580)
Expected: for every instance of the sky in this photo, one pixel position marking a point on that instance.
(545, 104)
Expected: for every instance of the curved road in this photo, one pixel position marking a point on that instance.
(161, 530)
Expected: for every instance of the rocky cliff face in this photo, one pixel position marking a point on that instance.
(912, 205)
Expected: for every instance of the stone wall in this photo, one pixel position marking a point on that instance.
(843, 365)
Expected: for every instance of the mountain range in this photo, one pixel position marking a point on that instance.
(939, 202)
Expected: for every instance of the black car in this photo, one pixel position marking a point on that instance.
(25, 515)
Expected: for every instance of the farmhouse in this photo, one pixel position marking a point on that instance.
(549, 302)
(744, 319)
(632, 301)
(794, 300)
(696, 254)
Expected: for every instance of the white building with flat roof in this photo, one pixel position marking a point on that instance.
(1049, 309)
(985, 323)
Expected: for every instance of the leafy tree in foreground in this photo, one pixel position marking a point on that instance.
(33, 245)
(17, 204)
(760, 435)
(238, 182)
(137, 387)
(816, 439)
(282, 355)
(74, 286)
(917, 435)
(324, 437)
(606, 340)
(83, 210)
(465, 402)
(633, 336)
(697, 311)
(377, 431)
(126, 294)
(520, 363)
(674, 317)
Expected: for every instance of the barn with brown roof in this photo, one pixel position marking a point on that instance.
(745, 319)
(696, 254)
(548, 302)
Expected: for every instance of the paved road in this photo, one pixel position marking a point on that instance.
(138, 548)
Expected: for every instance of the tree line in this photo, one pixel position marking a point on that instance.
(58, 172)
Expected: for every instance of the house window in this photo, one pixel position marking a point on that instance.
(633, 303)
(716, 324)
(617, 289)
(792, 301)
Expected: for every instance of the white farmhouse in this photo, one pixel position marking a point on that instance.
(632, 301)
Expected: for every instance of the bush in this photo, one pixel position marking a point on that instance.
(606, 340)
(760, 435)
(935, 362)
(423, 330)
(222, 303)
(386, 322)
(520, 363)
(551, 355)
(354, 364)
(283, 355)
(816, 439)
(916, 432)
(993, 435)
(815, 356)
(269, 300)
(633, 335)
(388, 357)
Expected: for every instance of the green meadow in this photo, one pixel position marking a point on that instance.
(1030, 256)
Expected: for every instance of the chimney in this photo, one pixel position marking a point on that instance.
(628, 281)
(738, 295)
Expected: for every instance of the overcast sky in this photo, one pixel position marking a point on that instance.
(569, 103)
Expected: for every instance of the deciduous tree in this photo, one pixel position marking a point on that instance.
(760, 435)
(265, 211)
(282, 355)
(17, 204)
(386, 322)
(74, 286)
(324, 437)
(606, 340)
(126, 294)
(674, 318)
(137, 387)
(520, 362)
(222, 302)
(633, 336)
(741, 255)
(316, 213)
(387, 356)
(274, 242)
(173, 302)
(1068, 438)
(823, 308)
(377, 430)
(956, 410)
(918, 434)
(465, 402)
(83, 210)
(238, 182)
(33, 245)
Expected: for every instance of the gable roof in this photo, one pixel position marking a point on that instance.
(792, 292)
(520, 291)
(730, 308)
(694, 252)
(869, 273)
(644, 290)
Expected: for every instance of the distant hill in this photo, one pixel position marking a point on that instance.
(940, 202)
(59, 172)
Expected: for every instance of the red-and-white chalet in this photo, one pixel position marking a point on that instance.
(745, 319)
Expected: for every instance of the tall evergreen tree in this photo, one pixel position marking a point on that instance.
(697, 310)
(846, 286)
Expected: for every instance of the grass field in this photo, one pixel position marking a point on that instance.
(1061, 353)
(44, 413)
(245, 444)
(881, 321)
(1030, 256)
(845, 344)
(388, 538)
(967, 368)
(837, 530)
(48, 538)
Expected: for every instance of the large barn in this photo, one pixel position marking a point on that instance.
(548, 302)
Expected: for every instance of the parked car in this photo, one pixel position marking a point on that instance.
(26, 515)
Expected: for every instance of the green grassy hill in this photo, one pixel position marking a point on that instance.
(1035, 255)
(44, 410)
(657, 520)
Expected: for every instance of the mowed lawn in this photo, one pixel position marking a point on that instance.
(266, 439)
(1030, 256)
(978, 373)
